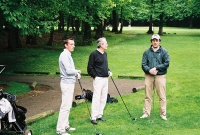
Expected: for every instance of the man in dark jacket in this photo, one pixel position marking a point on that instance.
(155, 62)
(98, 69)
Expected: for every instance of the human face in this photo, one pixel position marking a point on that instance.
(70, 45)
(104, 46)
(155, 43)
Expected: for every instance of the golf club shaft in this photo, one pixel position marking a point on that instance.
(121, 97)
(80, 85)
(84, 98)
(87, 105)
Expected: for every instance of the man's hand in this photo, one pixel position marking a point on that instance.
(110, 73)
(78, 76)
(153, 71)
(79, 71)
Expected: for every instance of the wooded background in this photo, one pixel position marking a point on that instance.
(33, 18)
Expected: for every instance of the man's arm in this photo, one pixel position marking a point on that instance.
(90, 67)
(145, 66)
(165, 62)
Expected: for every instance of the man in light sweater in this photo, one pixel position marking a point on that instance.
(68, 75)
(98, 69)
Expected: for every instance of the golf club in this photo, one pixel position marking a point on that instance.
(95, 130)
(154, 85)
(135, 119)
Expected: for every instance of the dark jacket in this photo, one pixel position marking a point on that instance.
(159, 60)
(98, 64)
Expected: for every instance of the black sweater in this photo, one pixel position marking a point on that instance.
(98, 64)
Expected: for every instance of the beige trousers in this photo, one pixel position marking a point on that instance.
(99, 98)
(67, 98)
(160, 86)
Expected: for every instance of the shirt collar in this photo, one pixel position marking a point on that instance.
(100, 51)
(67, 51)
(155, 49)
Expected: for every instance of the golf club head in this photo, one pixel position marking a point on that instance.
(99, 134)
(134, 119)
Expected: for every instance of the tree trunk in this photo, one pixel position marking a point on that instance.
(13, 39)
(77, 26)
(72, 24)
(121, 26)
(87, 34)
(150, 31)
(160, 32)
(32, 40)
(68, 22)
(1, 23)
(61, 22)
(28, 39)
(191, 22)
(50, 42)
(99, 31)
(115, 21)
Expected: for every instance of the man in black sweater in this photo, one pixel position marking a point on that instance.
(98, 69)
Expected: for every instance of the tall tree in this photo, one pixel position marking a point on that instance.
(12, 16)
(28, 18)
(150, 31)
(188, 9)
(122, 10)
(93, 14)
(161, 17)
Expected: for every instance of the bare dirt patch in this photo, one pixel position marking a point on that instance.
(47, 94)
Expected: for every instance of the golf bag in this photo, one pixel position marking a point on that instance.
(89, 94)
(12, 116)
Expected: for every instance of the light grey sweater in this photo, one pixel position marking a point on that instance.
(68, 72)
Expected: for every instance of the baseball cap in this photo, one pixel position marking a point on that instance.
(156, 36)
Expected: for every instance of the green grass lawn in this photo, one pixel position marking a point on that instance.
(15, 88)
(124, 56)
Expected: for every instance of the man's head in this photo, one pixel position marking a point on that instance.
(155, 36)
(102, 43)
(69, 44)
(155, 41)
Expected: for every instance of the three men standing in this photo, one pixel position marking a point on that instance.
(155, 62)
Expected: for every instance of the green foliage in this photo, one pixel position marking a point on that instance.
(124, 8)
(91, 11)
(30, 17)
(37, 17)
(15, 13)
